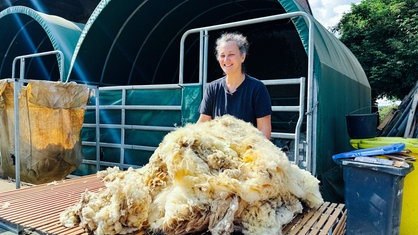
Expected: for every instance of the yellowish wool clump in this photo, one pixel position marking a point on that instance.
(219, 176)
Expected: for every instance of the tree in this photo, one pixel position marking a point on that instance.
(383, 35)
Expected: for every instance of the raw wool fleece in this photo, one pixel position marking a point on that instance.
(219, 176)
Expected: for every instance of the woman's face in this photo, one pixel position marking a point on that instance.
(230, 58)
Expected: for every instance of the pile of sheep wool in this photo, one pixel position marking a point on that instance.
(216, 177)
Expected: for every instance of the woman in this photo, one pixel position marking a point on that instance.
(237, 93)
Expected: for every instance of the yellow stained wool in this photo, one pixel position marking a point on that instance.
(202, 177)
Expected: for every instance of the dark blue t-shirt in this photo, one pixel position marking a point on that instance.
(250, 101)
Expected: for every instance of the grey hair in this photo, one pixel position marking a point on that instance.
(240, 39)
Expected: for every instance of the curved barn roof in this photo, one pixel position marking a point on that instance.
(26, 31)
(137, 42)
(131, 42)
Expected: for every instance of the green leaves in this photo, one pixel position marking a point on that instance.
(383, 34)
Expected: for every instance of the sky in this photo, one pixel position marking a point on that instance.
(329, 12)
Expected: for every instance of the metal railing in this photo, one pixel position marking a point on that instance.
(300, 109)
(309, 159)
(123, 127)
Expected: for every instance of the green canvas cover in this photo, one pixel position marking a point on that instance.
(26, 31)
(342, 89)
(130, 42)
(139, 45)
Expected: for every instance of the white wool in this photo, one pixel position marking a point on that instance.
(223, 222)
(122, 207)
(260, 218)
(70, 218)
(214, 176)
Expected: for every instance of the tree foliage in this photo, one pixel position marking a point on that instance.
(383, 35)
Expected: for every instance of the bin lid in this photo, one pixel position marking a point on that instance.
(380, 150)
(400, 171)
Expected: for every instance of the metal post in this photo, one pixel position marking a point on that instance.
(311, 109)
(18, 83)
(16, 91)
(122, 131)
(97, 129)
(201, 55)
(205, 57)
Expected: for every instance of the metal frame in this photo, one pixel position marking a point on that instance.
(309, 161)
(18, 84)
(123, 127)
(298, 160)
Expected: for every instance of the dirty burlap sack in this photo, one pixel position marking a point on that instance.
(51, 115)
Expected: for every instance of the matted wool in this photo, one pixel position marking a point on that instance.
(221, 176)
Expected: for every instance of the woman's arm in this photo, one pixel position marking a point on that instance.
(204, 118)
(264, 125)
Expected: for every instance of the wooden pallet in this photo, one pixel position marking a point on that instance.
(37, 208)
(330, 218)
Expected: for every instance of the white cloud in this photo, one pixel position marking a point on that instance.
(329, 12)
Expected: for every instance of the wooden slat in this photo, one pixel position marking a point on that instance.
(298, 225)
(328, 218)
(333, 219)
(39, 207)
(292, 223)
(316, 228)
(341, 226)
(411, 117)
(314, 218)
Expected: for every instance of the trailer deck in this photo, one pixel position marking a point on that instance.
(37, 208)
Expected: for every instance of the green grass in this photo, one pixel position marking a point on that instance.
(383, 111)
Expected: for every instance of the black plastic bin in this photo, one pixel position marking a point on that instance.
(373, 197)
